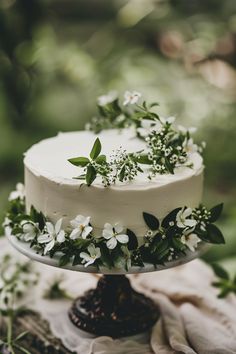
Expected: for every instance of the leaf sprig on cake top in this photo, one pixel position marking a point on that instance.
(182, 231)
(167, 146)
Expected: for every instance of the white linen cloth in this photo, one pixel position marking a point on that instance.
(193, 320)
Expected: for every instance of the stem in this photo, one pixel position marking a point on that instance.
(9, 329)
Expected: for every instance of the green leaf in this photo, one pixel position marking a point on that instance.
(64, 260)
(96, 149)
(79, 161)
(151, 221)
(105, 256)
(143, 159)
(224, 292)
(90, 175)
(81, 177)
(22, 349)
(170, 217)
(101, 159)
(169, 167)
(216, 212)
(21, 335)
(77, 260)
(154, 104)
(177, 244)
(214, 235)
(122, 174)
(220, 271)
(133, 241)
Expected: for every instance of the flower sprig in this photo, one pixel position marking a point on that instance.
(179, 232)
(122, 166)
(15, 280)
(225, 283)
(167, 146)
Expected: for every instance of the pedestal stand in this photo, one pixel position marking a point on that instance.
(113, 309)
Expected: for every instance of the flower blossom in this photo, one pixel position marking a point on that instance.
(18, 193)
(190, 240)
(131, 97)
(81, 227)
(53, 234)
(114, 235)
(30, 230)
(182, 218)
(90, 257)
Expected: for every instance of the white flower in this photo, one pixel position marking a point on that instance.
(90, 258)
(182, 218)
(30, 230)
(81, 227)
(190, 240)
(114, 235)
(131, 97)
(184, 130)
(168, 120)
(148, 125)
(191, 147)
(53, 234)
(18, 193)
(106, 99)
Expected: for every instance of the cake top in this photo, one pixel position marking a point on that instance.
(49, 158)
(127, 145)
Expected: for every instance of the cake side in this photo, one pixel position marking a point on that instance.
(50, 188)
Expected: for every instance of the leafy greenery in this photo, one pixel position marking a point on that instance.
(15, 284)
(163, 241)
(225, 284)
(55, 290)
(167, 147)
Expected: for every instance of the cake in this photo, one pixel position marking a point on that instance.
(118, 197)
(51, 189)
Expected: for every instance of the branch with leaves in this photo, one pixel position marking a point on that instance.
(16, 278)
(167, 147)
(122, 166)
(225, 283)
(179, 232)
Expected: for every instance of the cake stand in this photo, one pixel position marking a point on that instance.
(113, 308)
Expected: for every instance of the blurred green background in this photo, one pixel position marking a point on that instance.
(57, 56)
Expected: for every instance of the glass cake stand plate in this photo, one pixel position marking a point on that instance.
(113, 308)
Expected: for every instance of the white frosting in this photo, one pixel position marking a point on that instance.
(50, 186)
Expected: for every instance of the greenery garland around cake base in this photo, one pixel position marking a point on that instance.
(183, 229)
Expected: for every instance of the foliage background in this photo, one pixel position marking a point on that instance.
(57, 56)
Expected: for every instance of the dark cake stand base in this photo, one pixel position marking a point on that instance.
(113, 309)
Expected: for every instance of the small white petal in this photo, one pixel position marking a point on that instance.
(190, 222)
(118, 228)
(85, 256)
(44, 238)
(107, 234)
(58, 226)
(49, 246)
(61, 236)
(122, 238)
(111, 244)
(75, 234)
(98, 252)
(86, 231)
(108, 226)
(91, 249)
(50, 228)
(92, 260)
(187, 212)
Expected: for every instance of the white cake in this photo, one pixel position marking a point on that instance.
(51, 189)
